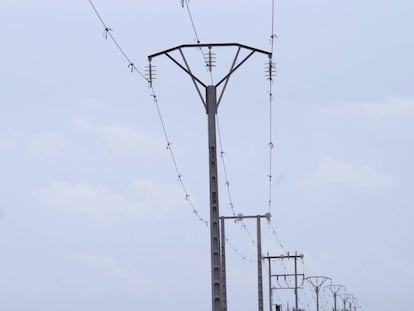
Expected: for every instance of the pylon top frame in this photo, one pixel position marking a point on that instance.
(185, 66)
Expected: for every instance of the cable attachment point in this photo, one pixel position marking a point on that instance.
(183, 2)
(210, 59)
(270, 70)
(106, 32)
(150, 73)
(239, 218)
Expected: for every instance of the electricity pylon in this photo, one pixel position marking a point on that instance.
(352, 301)
(211, 103)
(335, 289)
(296, 287)
(345, 298)
(357, 306)
(317, 282)
(240, 217)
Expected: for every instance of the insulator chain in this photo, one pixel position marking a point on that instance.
(150, 73)
(210, 59)
(183, 2)
(270, 70)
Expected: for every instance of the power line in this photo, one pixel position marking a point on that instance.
(131, 65)
(190, 16)
(185, 3)
(227, 183)
(223, 162)
(270, 72)
(169, 146)
(108, 32)
(276, 236)
(238, 253)
(173, 159)
(273, 35)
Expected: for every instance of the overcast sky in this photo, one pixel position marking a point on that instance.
(92, 215)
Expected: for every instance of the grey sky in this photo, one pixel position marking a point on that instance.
(91, 212)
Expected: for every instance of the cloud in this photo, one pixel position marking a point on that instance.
(99, 202)
(45, 144)
(7, 141)
(111, 266)
(334, 172)
(123, 141)
(392, 108)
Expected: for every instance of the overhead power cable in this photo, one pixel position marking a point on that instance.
(270, 72)
(238, 253)
(173, 158)
(185, 3)
(227, 183)
(108, 32)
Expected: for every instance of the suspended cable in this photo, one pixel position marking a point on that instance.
(270, 71)
(238, 253)
(132, 67)
(276, 236)
(185, 3)
(269, 74)
(173, 158)
(190, 15)
(223, 162)
(108, 32)
(273, 35)
(227, 183)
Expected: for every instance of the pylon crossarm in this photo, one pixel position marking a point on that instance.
(228, 76)
(335, 288)
(287, 275)
(317, 281)
(185, 69)
(345, 297)
(195, 80)
(201, 45)
(280, 288)
(235, 68)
